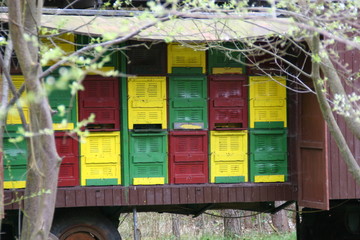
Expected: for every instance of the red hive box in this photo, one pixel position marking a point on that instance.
(101, 97)
(188, 157)
(228, 107)
(68, 150)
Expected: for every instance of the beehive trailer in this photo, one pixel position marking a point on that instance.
(192, 144)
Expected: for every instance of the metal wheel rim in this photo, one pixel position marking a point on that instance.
(81, 233)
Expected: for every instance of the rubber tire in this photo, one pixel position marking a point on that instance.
(84, 224)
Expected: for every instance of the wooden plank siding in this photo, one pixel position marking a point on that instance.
(166, 195)
(342, 183)
(356, 68)
(351, 185)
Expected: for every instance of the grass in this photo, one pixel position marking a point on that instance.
(252, 236)
(271, 236)
(154, 226)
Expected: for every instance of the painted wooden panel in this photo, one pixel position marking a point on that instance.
(228, 103)
(188, 157)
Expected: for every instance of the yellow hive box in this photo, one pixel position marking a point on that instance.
(227, 70)
(229, 156)
(14, 184)
(182, 56)
(149, 181)
(267, 101)
(100, 70)
(13, 116)
(269, 178)
(147, 101)
(100, 160)
(66, 42)
(63, 127)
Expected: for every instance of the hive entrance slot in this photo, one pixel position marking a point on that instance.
(100, 126)
(228, 125)
(147, 127)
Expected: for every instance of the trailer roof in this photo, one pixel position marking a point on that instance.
(205, 28)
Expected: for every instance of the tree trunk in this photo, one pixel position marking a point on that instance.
(232, 227)
(43, 161)
(280, 220)
(42, 176)
(175, 226)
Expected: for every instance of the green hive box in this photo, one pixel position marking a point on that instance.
(148, 158)
(268, 155)
(220, 63)
(63, 97)
(188, 102)
(83, 41)
(15, 159)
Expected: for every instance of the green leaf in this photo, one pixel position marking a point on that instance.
(316, 58)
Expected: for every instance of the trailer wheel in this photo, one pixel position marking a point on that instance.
(84, 227)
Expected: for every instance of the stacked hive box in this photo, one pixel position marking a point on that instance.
(63, 42)
(101, 98)
(15, 156)
(100, 159)
(188, 156)
(15, 170)
(148, 158)
(147, 116)
(188, 115)
(185, 60)
(228, 108)
(14, 121)
(268, 134)
(68, 150)
(222, 62)
(228, 117)
(100, 152)
(188, 102)
(60, 95)
(58, 89)
(146, 59)
(147, 103)
(229, 161)
(108, 61)
(204, 115)
(67, 146)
